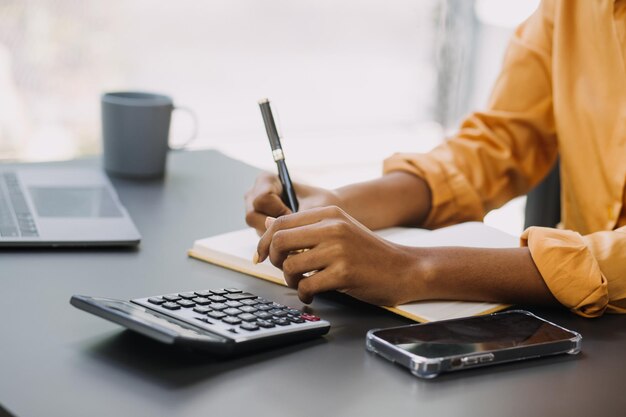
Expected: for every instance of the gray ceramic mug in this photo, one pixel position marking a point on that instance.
(135, 133)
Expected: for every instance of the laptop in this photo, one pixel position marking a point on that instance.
(62, 207)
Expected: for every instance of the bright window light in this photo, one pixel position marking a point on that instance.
(504, 13)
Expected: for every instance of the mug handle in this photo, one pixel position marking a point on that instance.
(194, 133)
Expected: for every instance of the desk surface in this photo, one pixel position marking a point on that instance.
(58, 361)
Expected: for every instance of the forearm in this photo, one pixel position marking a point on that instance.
(396, 199)
(477, 274)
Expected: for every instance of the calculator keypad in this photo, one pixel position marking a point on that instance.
(231, 312)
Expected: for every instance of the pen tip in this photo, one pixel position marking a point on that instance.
(264, 100)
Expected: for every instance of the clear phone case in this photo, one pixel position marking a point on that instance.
(430, 367)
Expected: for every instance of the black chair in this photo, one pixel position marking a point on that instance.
(543, 205)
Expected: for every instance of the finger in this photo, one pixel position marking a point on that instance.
(285, 242)
(292, 221)
(317, 283)
(270, 204)
(264, 198)
(257, 221)
(265, 183)
(299, 264)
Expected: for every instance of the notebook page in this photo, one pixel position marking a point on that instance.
(234, 250)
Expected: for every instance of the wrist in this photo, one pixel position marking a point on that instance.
(421, 276)
(333, 198)
(395, 199)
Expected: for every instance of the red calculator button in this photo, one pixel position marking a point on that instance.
(310, 317)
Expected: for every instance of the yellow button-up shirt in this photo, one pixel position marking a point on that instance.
(562, 91)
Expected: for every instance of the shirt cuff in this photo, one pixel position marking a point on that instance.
(453, 200)
(569, 269)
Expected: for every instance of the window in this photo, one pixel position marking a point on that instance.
(353, 81)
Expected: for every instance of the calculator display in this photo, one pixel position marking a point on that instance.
(141, 314)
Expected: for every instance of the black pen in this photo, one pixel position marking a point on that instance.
(289, 194)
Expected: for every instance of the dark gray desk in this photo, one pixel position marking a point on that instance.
(58, 361)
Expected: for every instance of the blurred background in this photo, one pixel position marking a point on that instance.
(352, 81)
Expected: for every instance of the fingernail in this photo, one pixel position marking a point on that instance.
(255, 258)
(268, 221)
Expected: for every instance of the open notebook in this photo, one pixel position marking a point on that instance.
(234, 251)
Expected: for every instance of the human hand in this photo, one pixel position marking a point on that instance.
(345, 255)
(264, 199)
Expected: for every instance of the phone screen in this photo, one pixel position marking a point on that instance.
(474, 335)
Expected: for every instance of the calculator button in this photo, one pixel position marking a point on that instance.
(263, 315)
(219, 292)
(203, 293)
(263, 301)
(156, 300)
(265, 323)
(281, 322)
(247, 309)
(232, 290)
(264, 307)
(247, 317)
(185, 303)
(187, 295)
(172, 297)
(217, 298)
(240, 296)
(294, 311)
(250, 326)
(310, 317)
(231, 320)
(202, 301)
(170, 306)
(276, 305)
(233, 303)
(218, 306)
(232, 311)
(201, 309)
(278, 313)
(249, 302)
(216, 314)
(295, 319)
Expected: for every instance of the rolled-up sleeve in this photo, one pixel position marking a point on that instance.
(502, 152)
(587, 274)
(453, 199)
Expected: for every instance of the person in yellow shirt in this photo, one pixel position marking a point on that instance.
(561, 92)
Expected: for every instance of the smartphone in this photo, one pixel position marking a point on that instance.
(430, 349)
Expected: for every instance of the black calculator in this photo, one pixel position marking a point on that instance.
(222, 321)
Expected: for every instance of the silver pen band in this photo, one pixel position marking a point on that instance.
(278, 155)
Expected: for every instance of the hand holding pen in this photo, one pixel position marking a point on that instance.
(270, 195)
(322, 247)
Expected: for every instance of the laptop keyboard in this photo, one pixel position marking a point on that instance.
(16, 220)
